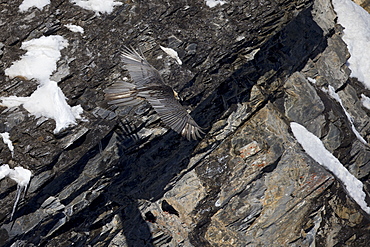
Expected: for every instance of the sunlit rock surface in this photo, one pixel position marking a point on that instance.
(122, 178)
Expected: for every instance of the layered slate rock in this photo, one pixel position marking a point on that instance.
(122, 178)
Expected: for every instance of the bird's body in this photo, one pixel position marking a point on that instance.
(148, 85)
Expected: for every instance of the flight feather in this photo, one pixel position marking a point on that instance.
(148, 85)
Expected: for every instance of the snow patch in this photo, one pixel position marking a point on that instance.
(4, 171)
(40, 60)
(7, 141)
(74, 28)
(240, 37)
(356, 34)
(365, 101)
(97, 6)
(172, 53)
(47, 100)
(21, 176)
(334, 95)
(313, 81)
(316, 149)
(27, 4)
(214, 3)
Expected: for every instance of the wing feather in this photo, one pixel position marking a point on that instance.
(173, 114)
(149, 85)
(140, 70)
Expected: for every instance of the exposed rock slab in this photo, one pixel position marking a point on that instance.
(121, 178)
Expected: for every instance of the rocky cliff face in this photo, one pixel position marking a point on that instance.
(121, 178)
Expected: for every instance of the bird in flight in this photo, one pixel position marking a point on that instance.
(148, 85)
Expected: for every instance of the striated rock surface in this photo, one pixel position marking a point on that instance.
(122, 178)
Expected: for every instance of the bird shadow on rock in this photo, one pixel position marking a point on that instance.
(146, 170)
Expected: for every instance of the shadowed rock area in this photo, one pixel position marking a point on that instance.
(120, 177)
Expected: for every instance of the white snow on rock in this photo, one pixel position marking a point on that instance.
(21, 176)
(313, 81)
(98, 6)
(316, 149)
(40, 60)
(365, 101)
(214, 3)
(334, 95)
(4, 171)
(27, 4)
(172, 53)
(7, 141)
(356, 34)
(75, 28)
(48, 100)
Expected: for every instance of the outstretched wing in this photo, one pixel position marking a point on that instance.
(172, 113)
(149, 85)
(141, 72)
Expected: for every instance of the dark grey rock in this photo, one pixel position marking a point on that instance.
(302, 94)
(249, 69)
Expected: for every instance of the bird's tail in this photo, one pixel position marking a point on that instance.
(122, 94)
